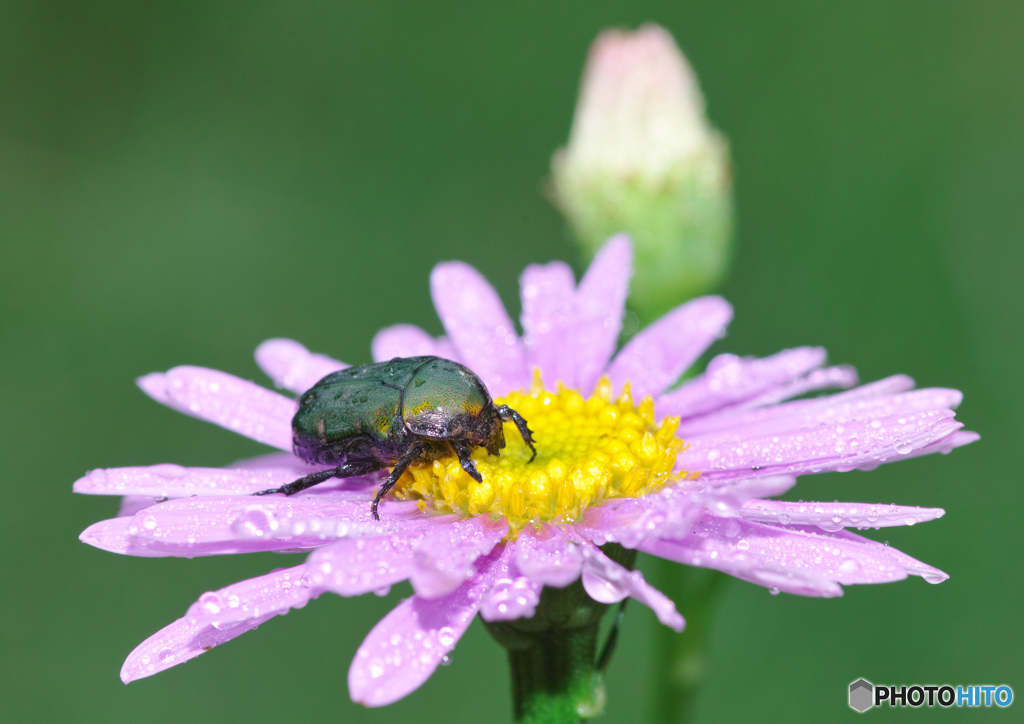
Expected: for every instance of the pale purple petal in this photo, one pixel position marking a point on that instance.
(673, 511)
(132, 504)
(827, 447)
(446, 556)
(711, 553)
(112, 535)
(188, 527)
(174, 481)
(548, 298)
(910, 565)
(659, 354)
(404, 648)
(836, 516)
(729, 379)
(733, 418)
(600, 309)
(547, 557)
(512, 595)
(828, 412)
(629, 521)
(232, 403)
(402, 340)
(155, 385)
(217, 617)
(828, 378)
(354, 567)
(479, 326)
(945, 446)
(608, 582)
(293, 367)
(842, 557)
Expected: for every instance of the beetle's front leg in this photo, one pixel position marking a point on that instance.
(506, 413)
(465, 453)
(416, 451)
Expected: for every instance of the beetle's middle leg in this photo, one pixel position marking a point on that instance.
(412, 454)
(345, 470)
(464, 451)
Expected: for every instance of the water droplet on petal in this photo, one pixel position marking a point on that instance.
(904, 448)
(773, 590)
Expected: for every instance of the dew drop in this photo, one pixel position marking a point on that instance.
(446, 637)
(445, 660)
(166, 656)
(904, 448)
(773, 590)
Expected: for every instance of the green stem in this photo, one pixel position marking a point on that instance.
(681, 659)
(553, 655)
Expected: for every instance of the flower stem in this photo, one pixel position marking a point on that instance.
(557, 677)
(681, 659)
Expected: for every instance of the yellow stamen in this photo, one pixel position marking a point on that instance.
(588, 450)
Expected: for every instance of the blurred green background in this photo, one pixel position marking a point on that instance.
(179, 181)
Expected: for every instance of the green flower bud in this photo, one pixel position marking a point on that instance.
(642, 158)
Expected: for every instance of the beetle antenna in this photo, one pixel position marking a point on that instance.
(506, 413)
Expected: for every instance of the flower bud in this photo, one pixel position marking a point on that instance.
(643, 159)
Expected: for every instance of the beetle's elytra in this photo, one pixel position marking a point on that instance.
(363, 419)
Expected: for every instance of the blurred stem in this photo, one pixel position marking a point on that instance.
(681, 659)
(557, 675)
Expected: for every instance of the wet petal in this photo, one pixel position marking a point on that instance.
(826, 447)
(828, 378)
(912, 566)
(836, 516)
(354, 567)
(740, 564)
(512, 595)
(225, 400)
(217, 617)
(808, 417)
(743, 549)
(729, 379)
(659, 354)
(600, 309)
(132, 504)
(607, 582)
(293, 367)
(734, 418)
(446, 556)
(190, 527)
(548, 298)
(402, 340)
(174, 481)
(547, 557)
(112, 535)
(479, 326)
(404, 648)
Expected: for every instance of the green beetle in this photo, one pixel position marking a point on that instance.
(362, 419)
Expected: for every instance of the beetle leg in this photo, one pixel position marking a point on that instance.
(464, 452)
(414, 452)
(347, 470)
(506, 413)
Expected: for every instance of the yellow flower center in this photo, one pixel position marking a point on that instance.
(588, 450)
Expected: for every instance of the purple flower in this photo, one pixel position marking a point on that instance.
(608, 470)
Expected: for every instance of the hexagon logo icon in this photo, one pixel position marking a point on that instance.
(861, 695)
